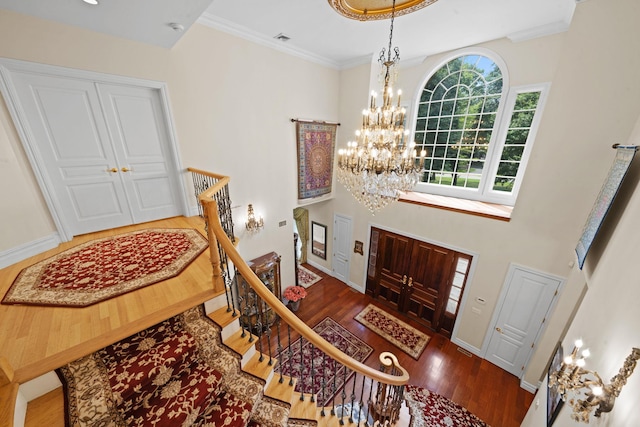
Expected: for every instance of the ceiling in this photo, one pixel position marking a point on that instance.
(315, 30)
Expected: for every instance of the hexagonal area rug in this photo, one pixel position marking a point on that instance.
(104, 268)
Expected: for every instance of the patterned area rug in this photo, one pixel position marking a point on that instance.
(175, 373)
(404, 336)
(105, 268)
(429, 409)
(307, 277)
(334, 373)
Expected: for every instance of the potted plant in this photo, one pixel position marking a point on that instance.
(294, 294)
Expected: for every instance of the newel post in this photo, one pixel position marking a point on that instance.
(210, 209)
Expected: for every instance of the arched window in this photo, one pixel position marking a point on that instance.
(477, 131)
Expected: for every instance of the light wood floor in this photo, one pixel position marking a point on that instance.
(36, 340)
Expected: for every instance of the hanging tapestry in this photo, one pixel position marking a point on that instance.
(624, 156)
(316, 143)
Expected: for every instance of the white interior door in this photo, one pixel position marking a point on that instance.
(65, 118)
(341, 247)
(138, 130)
(102, 152)
(526, 302)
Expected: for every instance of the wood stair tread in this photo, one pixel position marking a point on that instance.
(305, 410)
(222, 317)
(281, 391)
(240, 344)
(260, 369)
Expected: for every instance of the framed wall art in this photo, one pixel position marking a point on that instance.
(554, 399)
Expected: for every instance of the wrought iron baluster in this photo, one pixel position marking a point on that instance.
(290, 356)
(313, 374)
(324, 383)
(353, 397)
(243, 305)
(279, 347)
(343, 394)
(301, 376)
(363, 411)
(334, 388)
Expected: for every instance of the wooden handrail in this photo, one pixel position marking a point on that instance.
(209, 174)
(216, 232)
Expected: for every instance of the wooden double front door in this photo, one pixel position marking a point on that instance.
(419, 279)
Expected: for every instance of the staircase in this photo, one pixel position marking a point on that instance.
(300, 413)
(191, 370)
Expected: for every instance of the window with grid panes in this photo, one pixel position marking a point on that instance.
(476, 131)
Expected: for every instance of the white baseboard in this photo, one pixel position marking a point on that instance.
(321, 268)
(26, 250)
(357, 287)
(467, 346)
(529, 387)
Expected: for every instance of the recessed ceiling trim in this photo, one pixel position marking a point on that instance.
(371, 10)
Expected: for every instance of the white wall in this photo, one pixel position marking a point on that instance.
(592, 104)
(232, 102)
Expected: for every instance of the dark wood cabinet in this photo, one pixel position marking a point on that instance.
(414, 277)
(256, 315)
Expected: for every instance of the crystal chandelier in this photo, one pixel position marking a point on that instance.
(379, 165)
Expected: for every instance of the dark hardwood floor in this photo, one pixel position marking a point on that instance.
(484, 389)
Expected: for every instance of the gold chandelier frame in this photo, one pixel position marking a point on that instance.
(373, 10)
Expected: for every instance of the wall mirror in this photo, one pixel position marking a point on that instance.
(318, 240)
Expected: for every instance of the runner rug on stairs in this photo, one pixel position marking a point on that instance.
(292, 364)
(429, 409)
(402, 335)
(176, 373)
(104, 268)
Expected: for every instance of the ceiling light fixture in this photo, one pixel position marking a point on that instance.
(91, 2)
(367, 10)
(381, 164)
(176, 26)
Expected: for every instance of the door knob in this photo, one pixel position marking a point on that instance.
(113, 170)
(498, 329)
(126, 169)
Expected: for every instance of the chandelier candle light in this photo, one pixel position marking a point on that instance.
(590, 392)
(379, 165)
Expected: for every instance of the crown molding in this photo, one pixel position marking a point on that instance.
(541, 31)
(212, 21)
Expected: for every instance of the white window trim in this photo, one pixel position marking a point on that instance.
(500, 197)
(485, 192)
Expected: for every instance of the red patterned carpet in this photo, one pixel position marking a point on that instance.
(429, 409)
(105, 268)
(307, 277)
(323, 367)
(175, 373)
(402, 335)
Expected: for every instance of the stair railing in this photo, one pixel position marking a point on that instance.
(369, 397)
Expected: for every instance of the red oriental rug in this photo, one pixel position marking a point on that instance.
(334, 373)
(307, 277)
(104, 268)
(402, 335)
(429, 409)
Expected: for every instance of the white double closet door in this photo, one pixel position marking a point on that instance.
(103, 151)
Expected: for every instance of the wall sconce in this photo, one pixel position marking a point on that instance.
(253, 225)
(589, 390)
